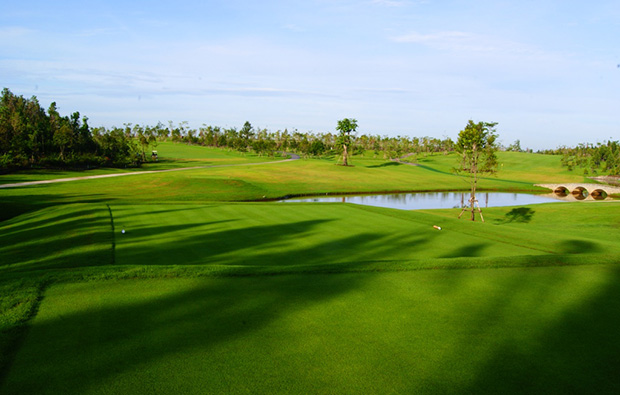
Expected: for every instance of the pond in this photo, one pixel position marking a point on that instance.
(433, 200)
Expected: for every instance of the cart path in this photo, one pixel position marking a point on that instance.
(28, 183)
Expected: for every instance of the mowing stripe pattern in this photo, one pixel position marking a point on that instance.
(113, 260)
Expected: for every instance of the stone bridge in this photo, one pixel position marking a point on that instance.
(581, 191)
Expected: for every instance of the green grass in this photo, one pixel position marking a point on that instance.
(170, 156)
(543, 330)
(61, 236)
(295, 253)
(271, 181)
(283, 235)
(202, 293)
(517, 171)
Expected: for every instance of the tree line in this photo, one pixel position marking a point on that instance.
(308, 144)
(600, 158)
(33, 137)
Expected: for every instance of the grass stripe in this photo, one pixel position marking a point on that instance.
(113, 256)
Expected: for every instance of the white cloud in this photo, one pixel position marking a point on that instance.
(468, 43)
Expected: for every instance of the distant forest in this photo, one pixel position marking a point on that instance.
(30, 137)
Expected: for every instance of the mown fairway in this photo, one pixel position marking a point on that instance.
(204, 295)
(544, 330)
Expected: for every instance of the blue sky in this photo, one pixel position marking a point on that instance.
(547, 71)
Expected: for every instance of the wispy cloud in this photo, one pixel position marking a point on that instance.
(390, 3)
(448, 40)
(459, 41)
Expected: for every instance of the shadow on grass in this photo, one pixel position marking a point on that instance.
(578, 247)
(578, 353)
(517, 214)
(233, 242)
(472, 250)
(386, 164)
(22, 202)
(126, 337)
(434, 170)
(57, 237)
(197, 333)
(109, 345)
(263, 245)
(81, 235)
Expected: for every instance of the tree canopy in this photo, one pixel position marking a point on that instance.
(31, 137)
(601, 158)
(476, 146)
(346, 126)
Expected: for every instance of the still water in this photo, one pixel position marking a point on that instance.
(433, 200)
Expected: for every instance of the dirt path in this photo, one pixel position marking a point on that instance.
(28, 183)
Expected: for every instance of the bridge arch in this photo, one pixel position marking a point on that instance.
(599, 194)
(580, 193)
(561, 191)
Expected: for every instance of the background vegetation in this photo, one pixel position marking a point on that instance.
(31, 138)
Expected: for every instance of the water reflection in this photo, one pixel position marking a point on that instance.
(433, 200)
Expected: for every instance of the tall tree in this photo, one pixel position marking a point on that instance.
(476, 145)
(346, 127)
(63, 137)
(516, 146)
(244, 136)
